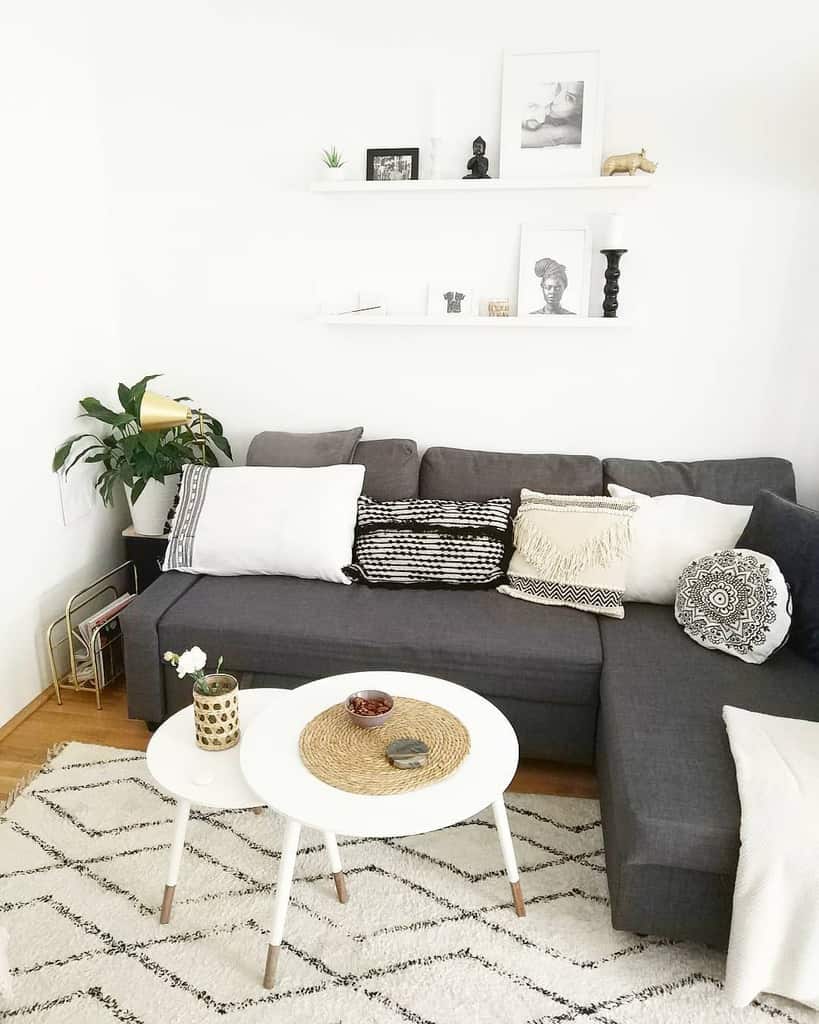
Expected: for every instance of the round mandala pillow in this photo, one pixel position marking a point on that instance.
(735, 601)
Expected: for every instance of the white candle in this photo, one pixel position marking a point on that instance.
(615, 235)
(436, 114)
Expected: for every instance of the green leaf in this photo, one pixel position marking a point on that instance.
(222, 444)
(62, 452)
(125, 397)
(85, 451)
(138, 392)
(149, 440)
(95, 408)
(137, 489)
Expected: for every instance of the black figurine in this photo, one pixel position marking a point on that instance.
(478, 164)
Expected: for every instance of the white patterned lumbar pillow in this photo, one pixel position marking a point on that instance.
(571, 551)
(667, 532)
(737, 602)
(258, 520)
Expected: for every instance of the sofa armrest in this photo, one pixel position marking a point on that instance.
(143, 660)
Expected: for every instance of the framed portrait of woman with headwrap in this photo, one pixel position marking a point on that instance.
(553, 277)
(550, 115)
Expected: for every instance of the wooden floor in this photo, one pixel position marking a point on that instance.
(24, 749)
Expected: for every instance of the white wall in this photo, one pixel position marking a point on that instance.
(171, 213)
(56, 324)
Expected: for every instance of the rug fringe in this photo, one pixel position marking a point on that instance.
(29, 777)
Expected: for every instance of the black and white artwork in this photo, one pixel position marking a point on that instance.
(451, 297)
(553, 278)
(392, 164)
(550, 115)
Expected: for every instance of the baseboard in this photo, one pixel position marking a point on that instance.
(23, 713)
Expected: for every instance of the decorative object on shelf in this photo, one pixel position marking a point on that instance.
(150, 441)
(612, 286)
(392, 164)
(628, 163)
(93, 642)
(498, 307)
(554, 271)
(737, 602)
(333, 164)
(550, 115)
(450, 297)
(407, 753)
(369, 708)
(478, 165)
(215, 699)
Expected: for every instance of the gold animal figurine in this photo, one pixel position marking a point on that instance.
(628, 163)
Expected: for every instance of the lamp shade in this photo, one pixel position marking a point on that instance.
(156, 412)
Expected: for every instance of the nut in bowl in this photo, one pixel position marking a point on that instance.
(369, 708)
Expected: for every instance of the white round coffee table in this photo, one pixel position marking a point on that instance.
(270, 752)
(211, 778)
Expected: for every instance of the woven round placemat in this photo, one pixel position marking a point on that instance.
(344, 755)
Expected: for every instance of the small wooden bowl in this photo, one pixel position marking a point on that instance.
(369, 721)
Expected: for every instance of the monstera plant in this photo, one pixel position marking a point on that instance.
(146, 462)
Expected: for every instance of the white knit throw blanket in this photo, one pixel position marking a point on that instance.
(774, 944)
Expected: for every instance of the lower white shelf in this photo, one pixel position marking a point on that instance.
(496, 322)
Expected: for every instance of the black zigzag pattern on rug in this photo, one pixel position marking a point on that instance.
(565, 593)
(429, 543)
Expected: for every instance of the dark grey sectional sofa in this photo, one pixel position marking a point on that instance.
(636, 697)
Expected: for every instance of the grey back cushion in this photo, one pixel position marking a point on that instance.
(735, 481)
(476, 476)
(304, 451)
(391, 468)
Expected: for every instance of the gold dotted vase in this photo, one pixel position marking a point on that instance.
(216, 719)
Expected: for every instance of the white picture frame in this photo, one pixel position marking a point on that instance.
(551, 115)
(451, 296)
(554, 270)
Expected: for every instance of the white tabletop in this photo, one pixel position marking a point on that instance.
(272, 765)
(212, 778)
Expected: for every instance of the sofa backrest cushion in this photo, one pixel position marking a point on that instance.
(303, 451)
(736, 481)
(477, 476)
(391, 465)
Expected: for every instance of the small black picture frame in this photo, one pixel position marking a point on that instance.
(392, 164)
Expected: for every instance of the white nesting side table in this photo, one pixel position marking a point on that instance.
(212, 778)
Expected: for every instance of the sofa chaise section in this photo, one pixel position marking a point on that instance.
(668, 791)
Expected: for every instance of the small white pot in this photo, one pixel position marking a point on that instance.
(150, 511)
(334, 173)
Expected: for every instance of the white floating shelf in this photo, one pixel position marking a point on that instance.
(485, 185)
(496, 322)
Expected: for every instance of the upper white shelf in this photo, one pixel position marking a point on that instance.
(497, 322)
(486, 185)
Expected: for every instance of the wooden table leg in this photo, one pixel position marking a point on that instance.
(284, 882)
(183, 809)
(335, 866)
(508, 851)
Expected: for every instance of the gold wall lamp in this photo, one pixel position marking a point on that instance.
(157, 412)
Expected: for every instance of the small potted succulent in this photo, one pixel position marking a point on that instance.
(215, 699)
(333, 164)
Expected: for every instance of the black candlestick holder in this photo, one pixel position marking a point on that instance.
(612, 285)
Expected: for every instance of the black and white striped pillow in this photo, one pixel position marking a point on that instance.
(428, 543)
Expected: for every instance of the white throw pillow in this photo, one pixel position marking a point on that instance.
(258, 520)
(670, 531)
(736, 602)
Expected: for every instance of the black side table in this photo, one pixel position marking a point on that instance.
(147, 553)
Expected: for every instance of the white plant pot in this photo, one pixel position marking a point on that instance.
(334, 173)
(150, 511)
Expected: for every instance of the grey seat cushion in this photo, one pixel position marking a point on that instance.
(476, 476)
(304, 451)
(391, 468)
(735, 481)
(308, 628)
(661, 697)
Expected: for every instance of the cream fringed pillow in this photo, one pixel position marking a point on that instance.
(571, 551)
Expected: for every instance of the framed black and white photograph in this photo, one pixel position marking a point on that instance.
(392, 164)
(451, 296)
(553, 278)
(551, 113)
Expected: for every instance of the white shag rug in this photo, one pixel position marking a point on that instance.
(429, 935)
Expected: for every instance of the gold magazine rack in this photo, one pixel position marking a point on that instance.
(92, 665)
